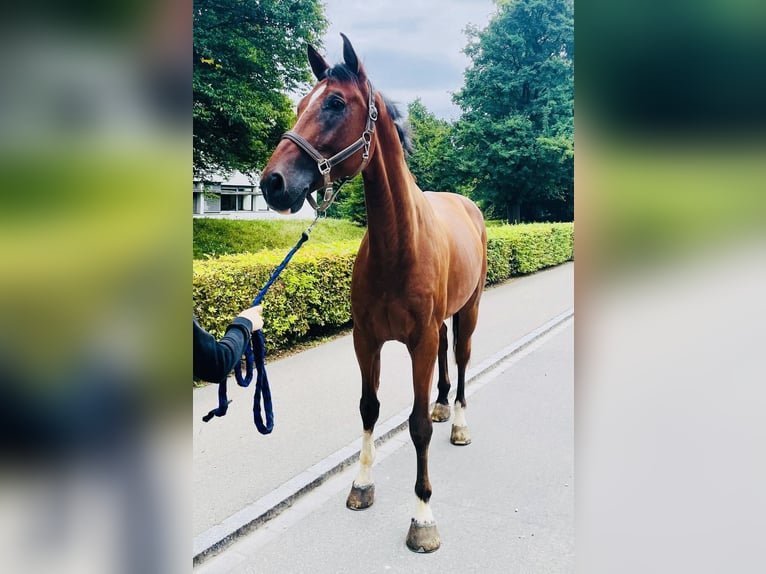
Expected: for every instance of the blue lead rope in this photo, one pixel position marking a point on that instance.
(255, 354)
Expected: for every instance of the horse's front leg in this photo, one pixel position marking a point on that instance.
(423, 535)
(362, 493)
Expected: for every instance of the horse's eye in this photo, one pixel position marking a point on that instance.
(335, 104)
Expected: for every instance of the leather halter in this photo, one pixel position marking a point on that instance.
(326, 164)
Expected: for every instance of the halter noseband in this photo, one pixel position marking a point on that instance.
(326, 164)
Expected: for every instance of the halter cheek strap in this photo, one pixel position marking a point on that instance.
(325, 165)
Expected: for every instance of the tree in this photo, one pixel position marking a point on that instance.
(248, 54)
(516, 134)
(432, 160)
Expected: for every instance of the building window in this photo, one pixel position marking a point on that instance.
(237, 198)
(228, 202)
(212, 203)
(229, 197)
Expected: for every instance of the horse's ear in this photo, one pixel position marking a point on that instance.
(349, 56)
(318, 64)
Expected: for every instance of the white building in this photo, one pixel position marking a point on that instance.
(236, 197)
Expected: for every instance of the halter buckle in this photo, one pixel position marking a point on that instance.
(324, 166)
(367, 140)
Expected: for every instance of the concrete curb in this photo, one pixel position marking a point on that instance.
(215, 539)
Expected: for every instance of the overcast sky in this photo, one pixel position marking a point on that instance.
(410, 48)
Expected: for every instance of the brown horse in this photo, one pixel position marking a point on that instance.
(422, 260)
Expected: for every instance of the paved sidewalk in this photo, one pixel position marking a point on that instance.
(505, 503)
(316, 395)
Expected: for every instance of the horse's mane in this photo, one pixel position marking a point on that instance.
(342, 73)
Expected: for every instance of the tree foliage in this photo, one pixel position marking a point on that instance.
(248, 54)
(515, 136)
(432, 161)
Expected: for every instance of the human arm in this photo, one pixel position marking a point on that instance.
(214, 360)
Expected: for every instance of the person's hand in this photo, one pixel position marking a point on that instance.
(253, 314)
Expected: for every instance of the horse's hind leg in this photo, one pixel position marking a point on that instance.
(362, 493)
(441, 412)
(463, 325)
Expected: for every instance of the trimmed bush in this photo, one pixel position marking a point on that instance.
(312, 294)
(520, 249)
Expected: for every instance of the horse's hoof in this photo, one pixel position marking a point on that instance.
(441, 413)
(361, 497)
(460, 436)
(423, 538)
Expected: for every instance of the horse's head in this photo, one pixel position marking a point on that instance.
(331, 138)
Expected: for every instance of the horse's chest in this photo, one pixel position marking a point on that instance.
(385, 288)
(387, 320)
(393, 306)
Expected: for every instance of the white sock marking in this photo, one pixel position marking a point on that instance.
(366, 458)
(423, 514)
(459, 420)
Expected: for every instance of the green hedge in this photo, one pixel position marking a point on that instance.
(312, 293)
(520, 249)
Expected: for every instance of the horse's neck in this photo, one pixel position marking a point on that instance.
(394, 202)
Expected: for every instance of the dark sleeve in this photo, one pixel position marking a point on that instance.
(214, 360)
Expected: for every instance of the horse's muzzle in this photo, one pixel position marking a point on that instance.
(278, 197)
(273, 189)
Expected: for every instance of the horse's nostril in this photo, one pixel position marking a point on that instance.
(273, 184)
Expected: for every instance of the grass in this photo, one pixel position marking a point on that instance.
(213, 237)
